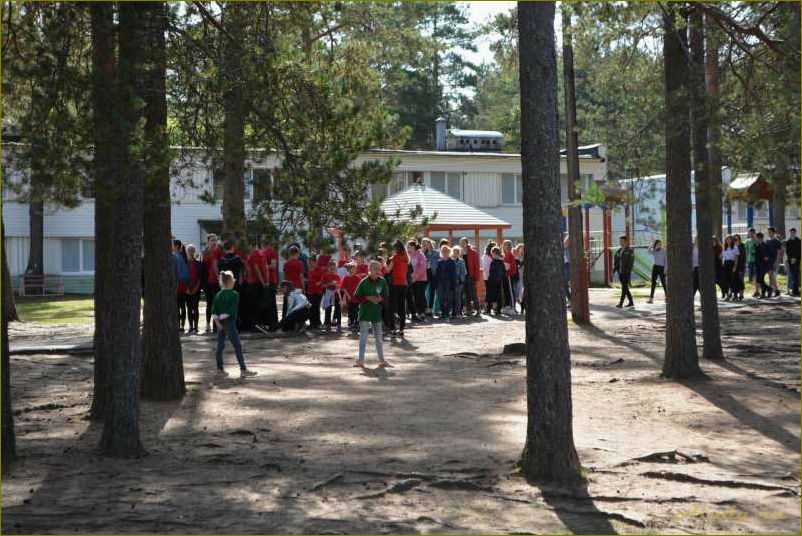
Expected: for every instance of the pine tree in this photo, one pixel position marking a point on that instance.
(549, 452)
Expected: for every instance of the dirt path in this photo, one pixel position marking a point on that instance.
(312, 445)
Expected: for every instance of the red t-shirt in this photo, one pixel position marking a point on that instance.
(362, 268)
(323, 261)
(328, 277)
(350, 282)
(509, 258)
(194, 276)
(256, 263)
(400, 266)
(294, 272)
(210, 260)
(270, 256)
(314, 281)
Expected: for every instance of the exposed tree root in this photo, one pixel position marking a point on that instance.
(682, 477)
(398, 487)
(322, 484)
(670, 456)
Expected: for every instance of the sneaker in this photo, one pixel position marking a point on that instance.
(262, 329)
(245, 373)
(776, 293)
(620, 306)
(630, 304)
(222, 373)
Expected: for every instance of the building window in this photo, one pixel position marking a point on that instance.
(262, 185)
(448, 183)
(511, 189)
(77, 255)
(218, 186)
(760, 210)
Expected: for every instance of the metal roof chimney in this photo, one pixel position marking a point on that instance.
(441, 125)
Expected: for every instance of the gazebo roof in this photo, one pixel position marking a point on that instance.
(750, 186)
(444, 211)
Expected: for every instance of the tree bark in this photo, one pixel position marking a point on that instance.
(580, 308)
(780, 198)
(120, 437)
(549, 453)
(104, 117)
(163, 367)
(235, 19)
(681, 358)
(36, 254)
(9, 313)
(707, 192)
(711, 46)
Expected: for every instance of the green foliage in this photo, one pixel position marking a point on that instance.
(45, 82)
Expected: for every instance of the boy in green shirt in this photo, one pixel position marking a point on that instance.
(224, 314)
(370, 294)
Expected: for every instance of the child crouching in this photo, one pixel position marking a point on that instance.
(224, 314)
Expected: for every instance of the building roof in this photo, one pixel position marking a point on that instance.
(744, 181)
(476, 133)
(443, 210)
(590, 152)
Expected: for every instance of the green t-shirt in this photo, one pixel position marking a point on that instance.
(751, 249)
(226, 302)
(371, 312)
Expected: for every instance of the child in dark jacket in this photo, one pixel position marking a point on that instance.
(495, 281)
(446, 281)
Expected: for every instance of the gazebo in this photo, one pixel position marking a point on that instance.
(750, 188)
(446, 213)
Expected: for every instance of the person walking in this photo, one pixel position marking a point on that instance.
(623, 262)
(658, 267)
(776, 246)
(792, 254)
(224, 313)
(729, 267)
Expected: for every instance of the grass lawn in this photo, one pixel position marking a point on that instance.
(57, 310)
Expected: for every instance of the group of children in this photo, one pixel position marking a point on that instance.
(416, 281)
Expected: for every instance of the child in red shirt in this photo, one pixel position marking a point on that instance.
(314, 291)
(361, 266)
(349, 284)
(294, 270)
(330, 283)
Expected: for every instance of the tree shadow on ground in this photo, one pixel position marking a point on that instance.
(715, 392)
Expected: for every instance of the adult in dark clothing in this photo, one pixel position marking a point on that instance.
(471, 258)
(624, 260)
(792, 253)
(765, 260)
(232, 262)
(740, 269)
(776, 246)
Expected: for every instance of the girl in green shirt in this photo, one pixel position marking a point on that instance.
(371, 293)
(224, 314)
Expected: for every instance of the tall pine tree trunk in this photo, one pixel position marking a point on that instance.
(549, 453)
(36, 216)
(105, 121)
(235, 19)
(120, 435)
(580, 308)
(706, 193)
(711, 46)
(681, 358)
(163, 367)
(9, 313)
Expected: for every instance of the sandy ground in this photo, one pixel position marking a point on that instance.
(312, 445)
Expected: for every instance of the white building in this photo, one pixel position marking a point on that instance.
(490, 181)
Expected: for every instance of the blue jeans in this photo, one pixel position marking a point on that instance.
(457, 300)
(230, 329)
(364, 327)
(444, 299)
